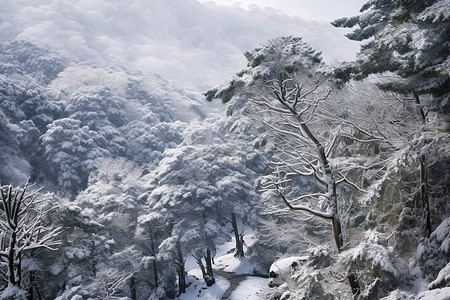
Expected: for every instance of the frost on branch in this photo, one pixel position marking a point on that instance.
(21, 232)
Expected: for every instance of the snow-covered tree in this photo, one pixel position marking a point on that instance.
(405, 38)
(152, 229)
(319, 143)
(22, 231)
(112, 195)
(25, 106)
(408, 42)
(407, 45)
(70, 150)
(208, 176)
(15, 166)
(19, 58)
(433, 254)
(147, 139)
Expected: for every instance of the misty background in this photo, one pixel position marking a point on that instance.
(197, 44)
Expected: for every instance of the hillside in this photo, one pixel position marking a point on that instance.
(124, 177)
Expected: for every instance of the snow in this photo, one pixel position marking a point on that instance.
(442, 235)
(198, 289)
(249, 289)
(281, 270)
(436, 12)
(442, 278)
(284, 264)
(229, 263)
(13, 292)
(437, 294)
(379, 255)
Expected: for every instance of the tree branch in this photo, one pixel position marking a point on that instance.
(314, 212)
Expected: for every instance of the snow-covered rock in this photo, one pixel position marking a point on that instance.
(281, 270)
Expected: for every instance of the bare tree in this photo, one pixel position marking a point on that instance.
(303, 154)
(21, 231)
(313, 139)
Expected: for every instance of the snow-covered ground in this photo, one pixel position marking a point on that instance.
(252, 287)
(198, 289)
(249, 288)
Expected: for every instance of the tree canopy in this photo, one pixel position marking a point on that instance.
(405, 40)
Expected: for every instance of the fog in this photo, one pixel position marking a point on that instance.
(198, 45)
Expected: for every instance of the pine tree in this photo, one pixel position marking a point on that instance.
(408, 42)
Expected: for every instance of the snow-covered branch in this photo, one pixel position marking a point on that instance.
(22, 230)
(325, 215)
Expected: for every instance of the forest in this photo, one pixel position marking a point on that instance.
(116, 184)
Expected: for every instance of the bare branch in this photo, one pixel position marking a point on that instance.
(314, 212)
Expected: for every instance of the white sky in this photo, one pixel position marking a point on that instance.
(317, 10)
(198, 44)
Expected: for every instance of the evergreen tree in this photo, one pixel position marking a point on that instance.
(408, 42)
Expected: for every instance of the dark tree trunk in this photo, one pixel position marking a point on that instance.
(12, 269)
(207, 271)
(208, 260)
(335, 220)
(421, 111)
(239, 252)
(354, 284)
(181, 271)
(424, 197)
(338, 239)
(133, 288)
(39, 297)
(337, 232)
(30, 295)
(154, 264)
(201, 265)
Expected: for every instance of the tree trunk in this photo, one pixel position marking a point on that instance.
(133, 288)
(208, 260)
(354, 284)
(154, 264)
(421, 111)
(39, 297)
(207, 272)
(424, 196)
(239, 252)
(326, 178)
(12, 277)
(335, 220)
(337, 232)
(181, 271)
(199, 261)
(30, 295)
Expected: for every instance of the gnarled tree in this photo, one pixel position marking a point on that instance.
(314, 139)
